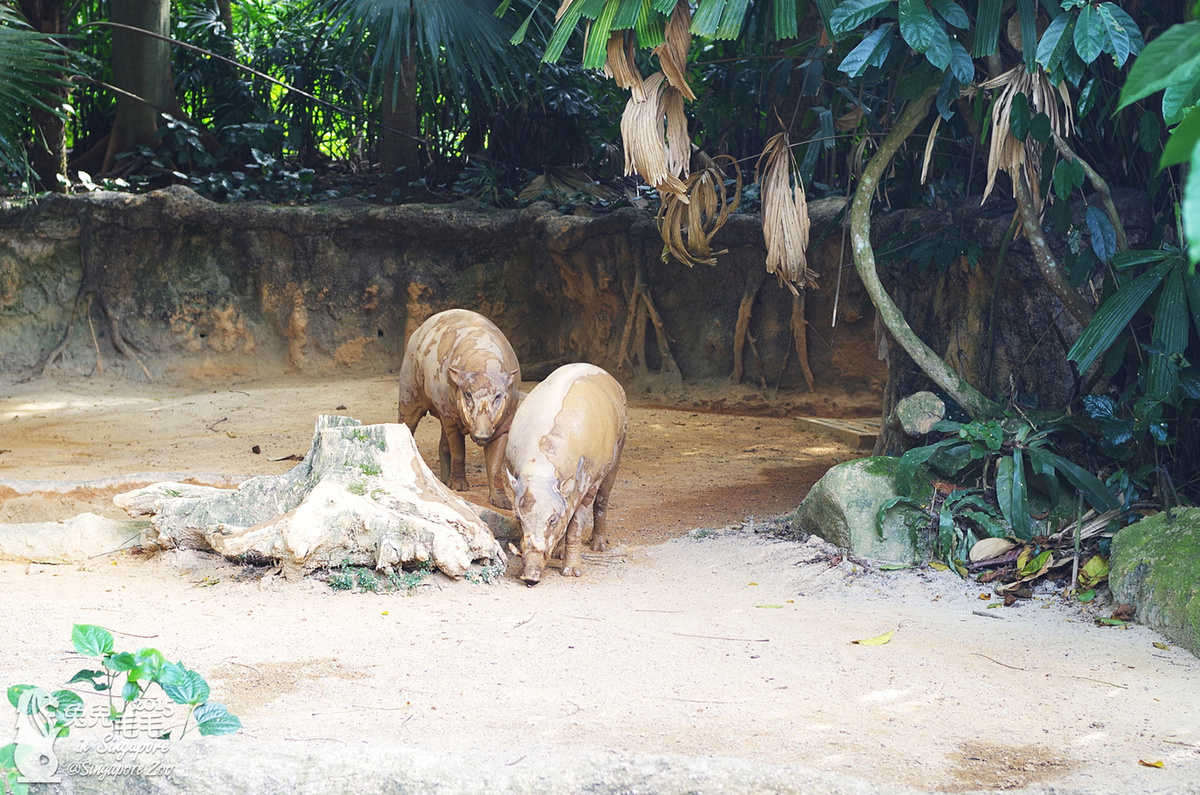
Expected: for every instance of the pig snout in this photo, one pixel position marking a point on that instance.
(532, 573)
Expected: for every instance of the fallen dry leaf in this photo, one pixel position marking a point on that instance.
(876, 641)
(1157, 764)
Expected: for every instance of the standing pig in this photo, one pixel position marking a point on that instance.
(563, 450)
(459, 367)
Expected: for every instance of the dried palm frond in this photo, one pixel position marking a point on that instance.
(937, 122)
(784, 215)
(563, 183)
(620, 65)
(672, 53)
(655, 136)
(1023, 158)
(562, 9)
(688, 225)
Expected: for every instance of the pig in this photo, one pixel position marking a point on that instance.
(563, 450)
(459, 367)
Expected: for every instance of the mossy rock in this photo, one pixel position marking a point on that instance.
(842, 507)
(1155, 566)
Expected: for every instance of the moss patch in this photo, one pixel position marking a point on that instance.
(1155, 567)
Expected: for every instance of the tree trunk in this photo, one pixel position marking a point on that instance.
(48, 152)
(399, 142)
(141, 67)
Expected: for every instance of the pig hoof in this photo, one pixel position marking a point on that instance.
(599, 544)
(571, 571)
(459, 484)
(502, 501)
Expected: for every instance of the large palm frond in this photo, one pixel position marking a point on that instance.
(465, 35)
(27, 59)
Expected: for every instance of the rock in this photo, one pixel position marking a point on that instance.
(842, 506)
(361, 495)
(919, 412)
(74, 541)
(1155, 566)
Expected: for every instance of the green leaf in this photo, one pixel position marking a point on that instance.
(707, 17)
(917, 26)
(987, 28)
(212, 719)
(1150, 132)
(1171, 325)
(191, 690)
(120, 662)
(1094, 572)
(1098, 495)
(1117, 42)
(1086, 596)
(1191, 208)
(1090, 34)
(1056, 41)
(1027, 14)
(91, 641)
(1111, 622)
(1171, 59)
(731, 21)
(1104, 237)
(952, 12)
(1018, 119)
(1115, 313)
(1035, 564)
(90, 677)
(889, 504)
(14, 694)
(783, 14)
(849, 15)
(961, 65)
(876, 641)
(70, 706)
(871, 51)
(1039, 128)
(1068, 175)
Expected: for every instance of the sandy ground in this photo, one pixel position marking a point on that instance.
(701, 636)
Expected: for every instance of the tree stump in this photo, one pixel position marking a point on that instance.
(361, 495)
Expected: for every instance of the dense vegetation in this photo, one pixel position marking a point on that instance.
(893, 103)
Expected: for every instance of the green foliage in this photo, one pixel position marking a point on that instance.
(32, 63)
(348, 577)
(1003, 463)
(124, 677)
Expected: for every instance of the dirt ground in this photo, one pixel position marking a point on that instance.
(701, 635)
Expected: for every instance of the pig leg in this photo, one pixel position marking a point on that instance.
(493, 456)
(600, 508)
(573, 559)
(454, 457)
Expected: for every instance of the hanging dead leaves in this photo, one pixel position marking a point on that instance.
(1022, 92)
(696, 205)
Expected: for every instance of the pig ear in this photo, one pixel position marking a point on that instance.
(513, 376)
(456, 375)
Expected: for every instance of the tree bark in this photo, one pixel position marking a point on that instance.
(399, 141)
(975, 403)
(48, 152)
(141, 67)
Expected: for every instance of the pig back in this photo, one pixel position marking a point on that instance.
(577, 412)
(461, 339)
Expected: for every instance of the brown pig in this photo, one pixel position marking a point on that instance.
(563, 451)
(459, 366)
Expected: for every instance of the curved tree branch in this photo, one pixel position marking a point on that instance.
(1043, 257)
(975, 403)
(1100, 186)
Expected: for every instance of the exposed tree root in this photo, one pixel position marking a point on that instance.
(741, 331)
(631, 356)
(90, 293)
(800, 335)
